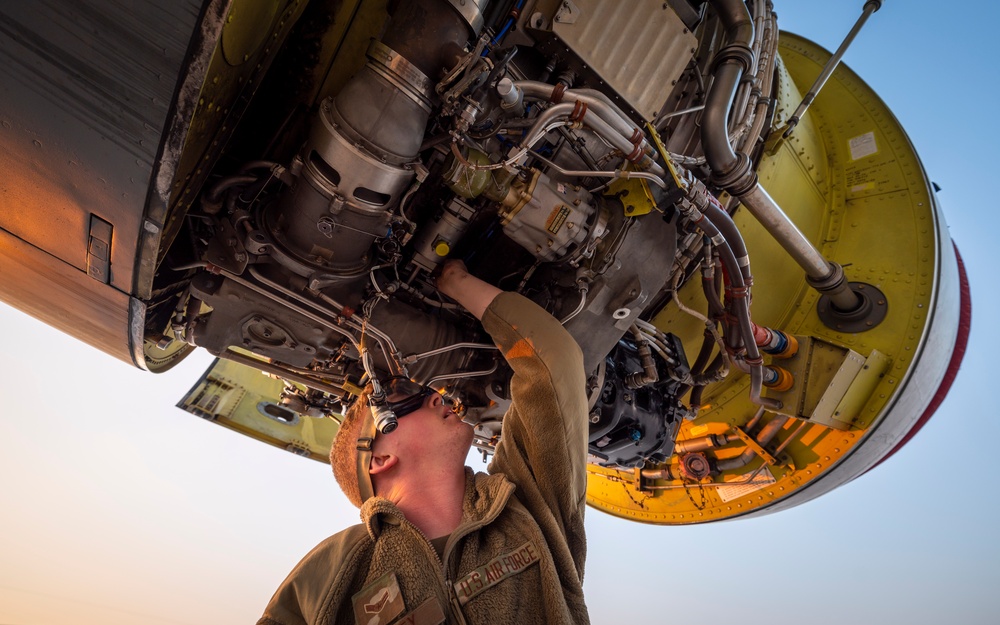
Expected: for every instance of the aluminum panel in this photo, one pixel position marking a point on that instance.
(640, 52)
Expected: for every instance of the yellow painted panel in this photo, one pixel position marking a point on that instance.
(246, 400)
(850, 180)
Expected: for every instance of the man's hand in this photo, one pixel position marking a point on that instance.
(473, 294)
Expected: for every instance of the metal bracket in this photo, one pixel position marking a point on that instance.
(832, 383)
(226, 250)
(755, 446)
(634, 194)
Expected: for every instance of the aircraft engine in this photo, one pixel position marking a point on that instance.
(751, 259)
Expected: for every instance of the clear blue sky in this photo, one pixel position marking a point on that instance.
(117, 508)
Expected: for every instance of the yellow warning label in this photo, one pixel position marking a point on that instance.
(557, 218)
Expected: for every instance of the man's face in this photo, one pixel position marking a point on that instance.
(432, 432)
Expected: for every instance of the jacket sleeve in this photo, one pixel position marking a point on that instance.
(320, 584)
(543, 448)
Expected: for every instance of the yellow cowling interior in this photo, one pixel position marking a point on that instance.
(852, 183)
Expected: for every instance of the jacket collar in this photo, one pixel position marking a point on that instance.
(485, 497)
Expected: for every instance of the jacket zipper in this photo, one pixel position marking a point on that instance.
(462, 531)
(459, 533)
(454, 607)
(457, 615)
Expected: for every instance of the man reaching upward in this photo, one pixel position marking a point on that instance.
(437, 542)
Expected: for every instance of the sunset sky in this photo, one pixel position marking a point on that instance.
(118, 508)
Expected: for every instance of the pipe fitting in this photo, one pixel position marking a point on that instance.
(736, 52)
(831, 281)
(738, 180)
(557, 93)
(834, 286)
(775, 342)
(695, 466)
(778, 379)
(869, 311)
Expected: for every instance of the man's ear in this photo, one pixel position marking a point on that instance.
(382, 462)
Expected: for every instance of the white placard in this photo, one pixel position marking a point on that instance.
(863, 145)
(742, 487)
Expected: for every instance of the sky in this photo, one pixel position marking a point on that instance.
(117, 508)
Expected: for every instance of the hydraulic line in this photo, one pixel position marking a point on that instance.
(687, 111)
(749, 129)
(561, 112)
(546, 117)
(510, 21)
(704, 354)
(462, 375)
(735, 58)
(715, 372)
(704, 443)
(584, 289)
(578, 149)
(441, 350)
(648, 375)
(283, 372)
(711, 286)
(618, 173)
(554, 115)
(703, 209)
(631, 151)
(775, 342)
(743, 96)
(379, 336)
(765, 436)
(776, 378)
(600, 103)
(423, 298)
(298, 309)
(385, 343)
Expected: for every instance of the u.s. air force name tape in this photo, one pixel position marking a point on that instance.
(495, 571)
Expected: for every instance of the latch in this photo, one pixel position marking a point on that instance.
(99, 250)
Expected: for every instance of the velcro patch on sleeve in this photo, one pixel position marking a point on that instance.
(522, 348)
(495, 571)
(379, 602)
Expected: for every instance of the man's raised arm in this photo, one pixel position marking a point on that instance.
(543, 449)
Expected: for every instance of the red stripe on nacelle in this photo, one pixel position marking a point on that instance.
(961, 342)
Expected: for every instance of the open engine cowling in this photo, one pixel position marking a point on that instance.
(766, 295)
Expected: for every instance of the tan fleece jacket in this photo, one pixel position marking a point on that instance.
(517, 555)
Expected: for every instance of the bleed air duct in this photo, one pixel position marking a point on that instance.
(734, 172)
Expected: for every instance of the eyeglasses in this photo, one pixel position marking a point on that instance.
(386, 413)
(414, 395)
